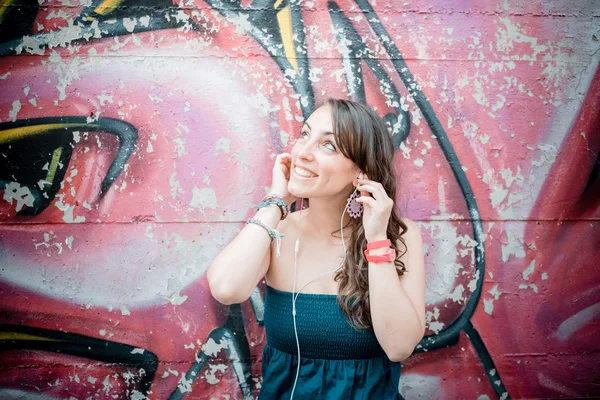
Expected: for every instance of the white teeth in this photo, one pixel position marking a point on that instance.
(305, 173)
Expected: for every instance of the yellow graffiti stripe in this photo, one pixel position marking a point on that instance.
(284, 18)
(24, 336)
(4, 4)
(13, 134)
(104, 8)
(53, 164)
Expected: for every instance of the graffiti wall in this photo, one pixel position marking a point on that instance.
(136, 137)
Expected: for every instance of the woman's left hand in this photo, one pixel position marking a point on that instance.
(377, 209)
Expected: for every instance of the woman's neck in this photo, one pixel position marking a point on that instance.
(324, 216)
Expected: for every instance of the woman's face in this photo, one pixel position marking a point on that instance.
(319, 169)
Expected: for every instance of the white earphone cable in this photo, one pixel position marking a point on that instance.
(295, 295)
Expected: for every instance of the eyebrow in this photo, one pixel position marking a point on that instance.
(326, 133)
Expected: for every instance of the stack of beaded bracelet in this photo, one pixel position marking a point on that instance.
(273, 198)
(274, 234)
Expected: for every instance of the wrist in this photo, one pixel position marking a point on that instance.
(379, 250)
(376, 238)
(272, 213)
(273, 198)
(286, 199)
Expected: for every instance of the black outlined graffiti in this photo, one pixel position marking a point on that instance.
(52, 138)
(264, 28)
(18, 337)
(236, 346)
(353, 50)
(95, 22)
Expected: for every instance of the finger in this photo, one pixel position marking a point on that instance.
(371, 202)
(365, 190)
(284, 159)
(374, 183)
(377, 192)
(376, 189)
(362, 191)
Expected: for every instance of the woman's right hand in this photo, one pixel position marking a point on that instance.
(281, 177)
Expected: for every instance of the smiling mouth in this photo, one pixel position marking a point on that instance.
(304, 173)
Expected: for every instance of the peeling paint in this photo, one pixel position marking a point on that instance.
(203, 198)
(529, 270)
(213, 369)
(488, 306)
(20, 194)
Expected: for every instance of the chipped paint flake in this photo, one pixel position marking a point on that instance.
(223, 144)
(284, 137)
(431, 320)
(529, 270)
(68, 211)
(210, 374)
(488, 306)
(137, 395)
(129, 24)
(203, 198)
(21, 194)
(498, 195)
(472, 285)
(16, 107)
(175, 185)
(514, 246)
(125, 310)
(457, 295)
(106, 385)
(212, 348)
(185, 385)
(495, 292)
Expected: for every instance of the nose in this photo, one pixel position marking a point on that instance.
(305, 151)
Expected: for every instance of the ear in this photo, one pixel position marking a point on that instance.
(355, 180)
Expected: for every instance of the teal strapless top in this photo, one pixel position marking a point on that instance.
(336, 360)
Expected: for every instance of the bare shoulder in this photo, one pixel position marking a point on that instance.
(412, 227)
(412, 237)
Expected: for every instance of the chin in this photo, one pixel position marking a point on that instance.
(297, 192)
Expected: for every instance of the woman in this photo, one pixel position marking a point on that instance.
(345, 290)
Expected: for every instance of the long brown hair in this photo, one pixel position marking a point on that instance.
(362, 136)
